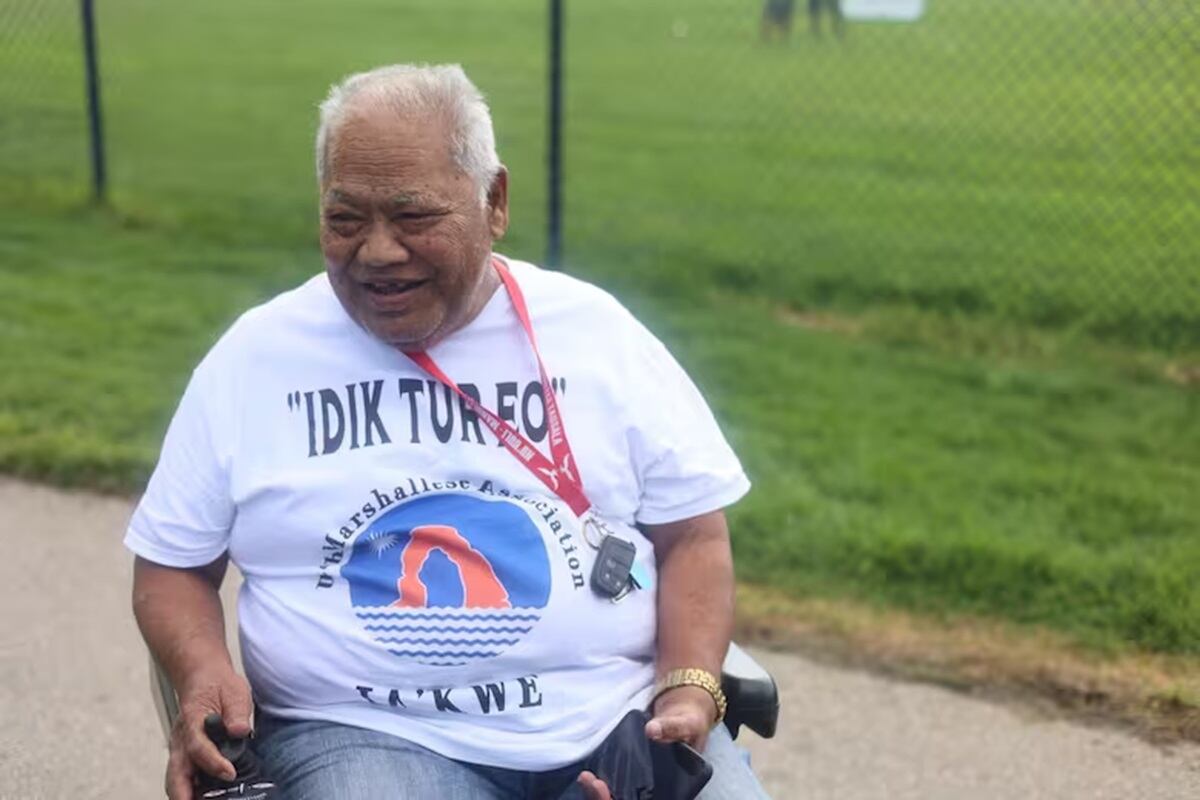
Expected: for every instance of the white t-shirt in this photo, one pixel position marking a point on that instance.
(403, 571)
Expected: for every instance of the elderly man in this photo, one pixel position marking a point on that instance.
(476, 504)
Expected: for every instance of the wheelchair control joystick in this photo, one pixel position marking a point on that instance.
(249, 783)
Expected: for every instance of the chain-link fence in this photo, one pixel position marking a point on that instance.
(1034, 159)
(1029, 159)
(43, 111)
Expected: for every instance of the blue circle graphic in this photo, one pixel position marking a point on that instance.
(449, 578)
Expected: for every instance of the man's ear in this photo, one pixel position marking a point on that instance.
(497, 203)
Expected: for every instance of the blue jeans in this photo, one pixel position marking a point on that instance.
(314, 760)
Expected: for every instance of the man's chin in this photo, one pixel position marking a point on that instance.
(404, 338)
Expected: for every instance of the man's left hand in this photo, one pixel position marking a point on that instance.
(683, 714)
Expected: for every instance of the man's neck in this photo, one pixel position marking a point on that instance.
(489, 281)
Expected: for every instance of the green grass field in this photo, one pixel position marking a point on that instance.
(933, 278)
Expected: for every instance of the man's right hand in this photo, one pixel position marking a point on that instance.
(221, 691)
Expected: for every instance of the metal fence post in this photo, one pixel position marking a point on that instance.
(554, 143)
(95, 123)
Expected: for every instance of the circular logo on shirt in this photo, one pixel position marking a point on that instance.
(447, 579)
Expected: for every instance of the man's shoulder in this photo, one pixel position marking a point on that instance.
(552, 294)
(310, 300)
(285, 320)
(579, 311)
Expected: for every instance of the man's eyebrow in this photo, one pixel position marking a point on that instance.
(411, 199)
(400, 200)
(337, 196)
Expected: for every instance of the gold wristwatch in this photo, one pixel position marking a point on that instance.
(693, 677)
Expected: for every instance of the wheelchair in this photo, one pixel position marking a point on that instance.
(751, 693)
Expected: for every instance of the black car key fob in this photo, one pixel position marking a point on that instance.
(610, 574)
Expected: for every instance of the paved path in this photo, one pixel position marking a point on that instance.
(76, 719)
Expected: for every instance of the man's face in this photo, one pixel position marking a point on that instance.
(405, 237)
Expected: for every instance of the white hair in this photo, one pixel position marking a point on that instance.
(405, 89)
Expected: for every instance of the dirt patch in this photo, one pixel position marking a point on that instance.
(1158, 697)
(995, 339)
(824, 321)
(1183, 374)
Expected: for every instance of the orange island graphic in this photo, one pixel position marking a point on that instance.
(481, 587)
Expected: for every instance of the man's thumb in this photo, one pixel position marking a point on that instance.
(236, 708)
(667, 728)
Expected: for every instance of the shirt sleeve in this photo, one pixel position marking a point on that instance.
(685, 466)
(185, 516)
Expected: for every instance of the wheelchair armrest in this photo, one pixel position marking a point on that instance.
(752, 694)
(165, 701)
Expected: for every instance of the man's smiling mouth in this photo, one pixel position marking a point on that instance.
(393, 287)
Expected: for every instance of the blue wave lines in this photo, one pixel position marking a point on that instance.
(444, 654)
(474, 617)
(448, 629)
(447, 636)
(443, 663)
(420, 640)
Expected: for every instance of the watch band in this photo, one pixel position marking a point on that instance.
(693, 676)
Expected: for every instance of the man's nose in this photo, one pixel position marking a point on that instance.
(382, 247)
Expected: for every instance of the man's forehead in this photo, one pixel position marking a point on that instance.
(350, 194)
(383, 157)
(379, 131)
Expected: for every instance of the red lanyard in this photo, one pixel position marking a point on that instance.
(559, 475)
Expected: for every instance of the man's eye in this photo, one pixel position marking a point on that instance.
(343, 225)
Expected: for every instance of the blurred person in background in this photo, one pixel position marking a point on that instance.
(416, 459)
(834, 8)
(777, 19)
